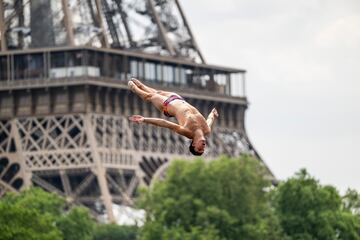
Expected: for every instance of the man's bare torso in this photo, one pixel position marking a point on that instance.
(188, 116)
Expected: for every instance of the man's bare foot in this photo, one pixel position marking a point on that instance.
(136, 81)
(142, 86)
(131, 85)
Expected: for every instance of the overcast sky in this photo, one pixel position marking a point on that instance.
(303, 79)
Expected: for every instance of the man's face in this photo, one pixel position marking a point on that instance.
(199, 145)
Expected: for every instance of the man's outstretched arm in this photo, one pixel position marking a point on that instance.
(211, 118)
(161, 123)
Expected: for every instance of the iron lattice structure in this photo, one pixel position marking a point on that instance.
(64, 100)
(153, 26)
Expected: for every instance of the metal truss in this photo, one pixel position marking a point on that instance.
(153, 26)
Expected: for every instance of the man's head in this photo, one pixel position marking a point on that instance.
(197, 148)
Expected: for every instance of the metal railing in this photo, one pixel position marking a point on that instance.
(118, 83)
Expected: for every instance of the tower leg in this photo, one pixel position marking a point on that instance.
(27, 175)
(99, 169)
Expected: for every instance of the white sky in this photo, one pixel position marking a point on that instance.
(303, 79)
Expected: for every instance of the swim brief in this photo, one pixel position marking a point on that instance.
(169, 100)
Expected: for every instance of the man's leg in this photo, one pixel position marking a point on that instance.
(140, 92)
(149, 89)
(143, 86)
(156, 99)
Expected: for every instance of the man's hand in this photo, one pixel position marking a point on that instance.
(214, 111)
(211, 118)
(137, 118)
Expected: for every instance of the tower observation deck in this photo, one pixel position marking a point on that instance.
(64, 100)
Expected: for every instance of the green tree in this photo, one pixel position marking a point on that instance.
(30, 215)
(351, 201)
(39, 215)
(223, 199)
(115, 232)
(76, 224)
(308, 210)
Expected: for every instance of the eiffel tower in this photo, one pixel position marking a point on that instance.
(64, 100)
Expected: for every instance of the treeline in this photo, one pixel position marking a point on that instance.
(232, 199)
(225, 199)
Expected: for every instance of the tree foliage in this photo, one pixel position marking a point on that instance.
(30, 215)
(308, 210)
(39, 215)
(76, 224)
(223, 199)
(351, 201)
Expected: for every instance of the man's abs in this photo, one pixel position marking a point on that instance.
(190, 118)
(180, 109)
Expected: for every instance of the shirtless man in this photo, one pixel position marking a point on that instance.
(191, 123)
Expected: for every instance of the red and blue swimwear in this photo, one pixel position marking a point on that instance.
(169, 100)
